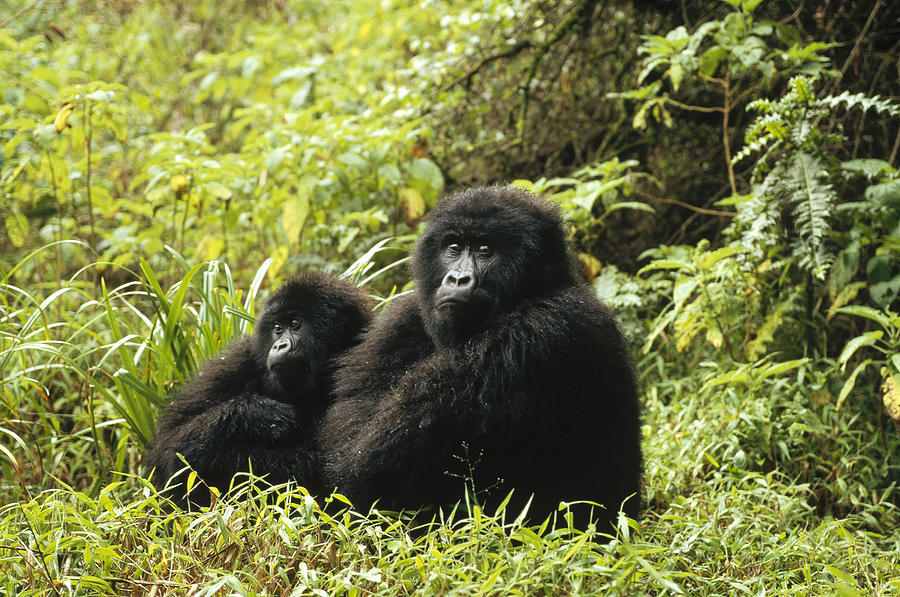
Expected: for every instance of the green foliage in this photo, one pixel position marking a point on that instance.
(802, 184)
(163, 165)
(717, 298)
(797, 185)
(885, 341)
(722, 55)
(153, 353)
(256, 146)
(589, 196)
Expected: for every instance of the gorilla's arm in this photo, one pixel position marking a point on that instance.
(218, 421)
(391, 437)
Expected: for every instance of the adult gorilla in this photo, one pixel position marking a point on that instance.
(261, 400)
(502, 371)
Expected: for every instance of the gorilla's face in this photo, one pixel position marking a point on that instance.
(286, 348)
(483, 251)
(468, 294)
(299, 329)
(288, 354)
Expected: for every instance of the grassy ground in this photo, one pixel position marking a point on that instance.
(264, 139)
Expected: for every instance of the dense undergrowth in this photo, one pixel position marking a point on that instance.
(165, 165)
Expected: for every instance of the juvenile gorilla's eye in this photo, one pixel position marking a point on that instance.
(277, 328)
(454, 247)
(294, 323)
(485, 249)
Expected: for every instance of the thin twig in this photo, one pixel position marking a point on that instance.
(893, 157)
(726, 139)
(542, 51)
(467, 78)
(694, 208)
(862, 34)
(16, 16)
(796, 14)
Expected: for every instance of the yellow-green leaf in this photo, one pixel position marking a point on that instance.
(293, 217)
(17, 228)
(62, 117)
(413, 205)
(890, 393)
(279, 258)
(210, 247)
(219, 190)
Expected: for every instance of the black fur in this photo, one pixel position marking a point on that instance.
(523, 383)
(241, 407)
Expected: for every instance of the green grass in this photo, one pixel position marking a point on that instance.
(740, 500)
(227, 131)
(744, 534)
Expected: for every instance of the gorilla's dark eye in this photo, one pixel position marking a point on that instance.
(277, 328)
(485, 250)
(295, 322)
(454, 246)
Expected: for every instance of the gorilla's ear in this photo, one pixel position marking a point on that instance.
(555, 265)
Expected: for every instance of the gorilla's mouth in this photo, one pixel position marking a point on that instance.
(286, 367)
(475, 300)
(452, 302)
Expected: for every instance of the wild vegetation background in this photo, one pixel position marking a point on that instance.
(729, 170)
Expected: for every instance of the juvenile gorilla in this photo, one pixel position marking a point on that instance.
(502, 371)
(261, 400)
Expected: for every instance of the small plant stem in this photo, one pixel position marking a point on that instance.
(893, 158)
(726, 141)
(810, 309)
(56, 201)
(184, 216)
(88, 133)
(225, 230)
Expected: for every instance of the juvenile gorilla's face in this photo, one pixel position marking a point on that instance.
(286, 349)
(290, 337)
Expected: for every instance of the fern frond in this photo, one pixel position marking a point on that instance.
(757, 224)
(864, 102)
(812, 200)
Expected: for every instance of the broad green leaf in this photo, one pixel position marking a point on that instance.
(425, 177)
(709, 259)
(389, 174)
(210, 247)
(102, 95)
(850, 383)
(867, 339)
(885, 293)
(630, 205)
(413, 205)
(781, 368)
(714, 336)
(879, 317)
(867, 167)
(17, 228)
(683, 289)
(217, 189)
(353, 161)
(667, 264)
(275, 157)
(293, 216)
(731, 377)
(676, 75)
(886, 193)
(277, 260)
